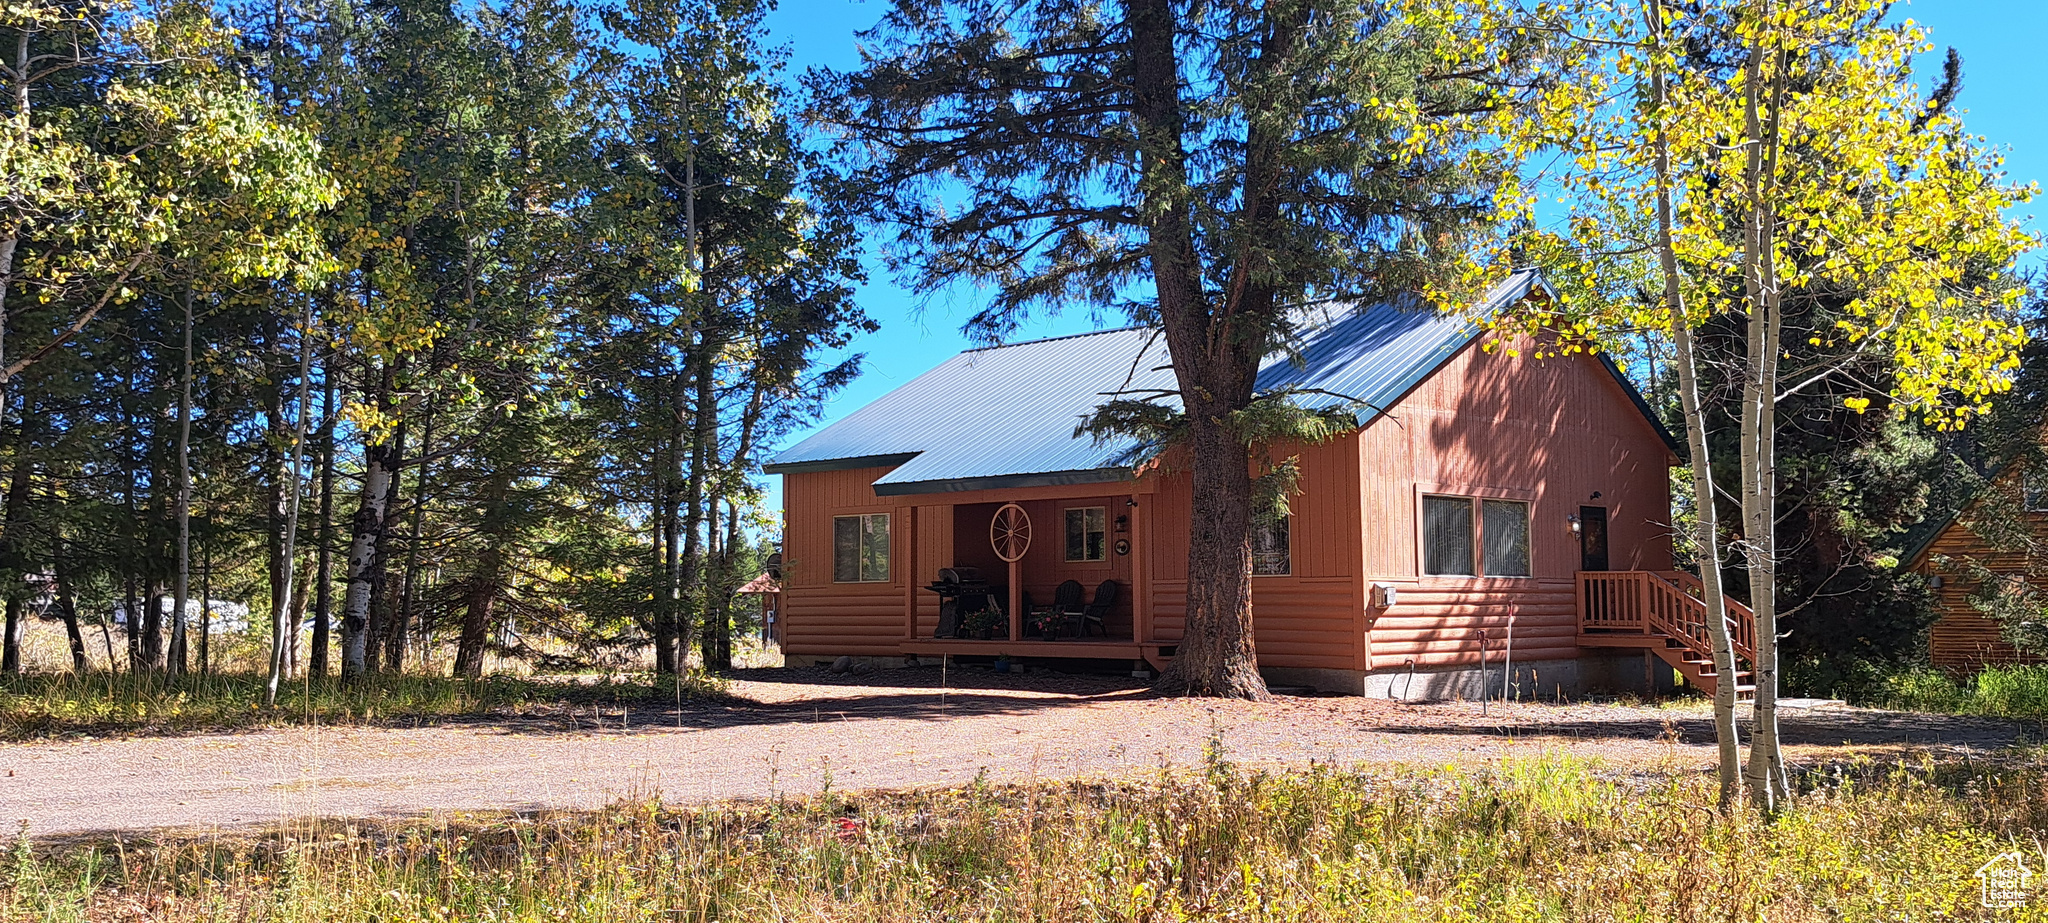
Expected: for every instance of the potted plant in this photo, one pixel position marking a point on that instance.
(1002, 663)
(984, 623)
(1049, 623)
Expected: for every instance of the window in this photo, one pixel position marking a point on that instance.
(1461, 532)
(1447, 536)
(1270, 557)
(860, 548)
(1086, 534)
(1505, 533)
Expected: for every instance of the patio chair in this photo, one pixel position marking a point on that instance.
(1097, 611)
(1066, 603)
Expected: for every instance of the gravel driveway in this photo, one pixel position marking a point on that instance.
(798, 730)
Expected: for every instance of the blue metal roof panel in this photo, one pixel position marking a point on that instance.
(1011, 410)
(1375, 355)
(998, 411)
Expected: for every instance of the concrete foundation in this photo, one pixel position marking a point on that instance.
(1619, 671)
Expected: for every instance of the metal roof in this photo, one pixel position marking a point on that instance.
(1004, 416)
(999, 412)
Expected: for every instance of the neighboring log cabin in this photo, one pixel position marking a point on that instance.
(1483, 509)
(1958, 554)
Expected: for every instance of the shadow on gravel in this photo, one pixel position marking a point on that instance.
(571, 706)
(913, 693)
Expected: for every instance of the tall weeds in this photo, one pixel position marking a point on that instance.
(1548, 839)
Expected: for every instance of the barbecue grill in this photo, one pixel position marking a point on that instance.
(961, 590)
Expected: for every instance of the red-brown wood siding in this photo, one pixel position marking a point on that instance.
(1549, 431)
(1309, 618)
(1964, 638)
(822, 617)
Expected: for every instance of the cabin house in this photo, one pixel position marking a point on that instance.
(1490, 513)
(1957, 556)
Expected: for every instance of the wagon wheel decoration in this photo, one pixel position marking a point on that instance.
(1010, 532)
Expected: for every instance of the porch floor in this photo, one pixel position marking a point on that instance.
(1108, 649)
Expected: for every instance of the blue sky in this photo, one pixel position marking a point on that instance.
(2000, 40)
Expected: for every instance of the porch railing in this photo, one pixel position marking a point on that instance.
(1667, 603)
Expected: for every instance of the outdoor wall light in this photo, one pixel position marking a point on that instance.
(1572, 522)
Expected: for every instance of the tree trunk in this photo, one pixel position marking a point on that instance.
(1708, 537)
(660, 629)
(10, 238)
(476, 619)
(15, 627)
(67, 601)
(384, 614)
(675, 614)
(131, 627)
(278, 568)
(703, 448)
(1765, 772)
(718, 653)
(366, 544)
(1215, 656)
(206, 608)
(13, 560)
(323, 580)
(408, 621)
(283, 618)
(181, 593)
(487, 582)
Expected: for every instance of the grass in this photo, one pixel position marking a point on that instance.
(1546, 839)
(1998, 691)
(51, 705)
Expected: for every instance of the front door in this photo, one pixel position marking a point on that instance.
(1592, 538)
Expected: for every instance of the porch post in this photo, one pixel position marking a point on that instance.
(1141, 575)
(1016, 600)
(910, 565)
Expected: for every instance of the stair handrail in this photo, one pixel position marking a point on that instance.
(1688, 619)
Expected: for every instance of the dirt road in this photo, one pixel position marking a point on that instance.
(799, 730)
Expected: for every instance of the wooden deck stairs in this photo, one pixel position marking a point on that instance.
(1663, 612)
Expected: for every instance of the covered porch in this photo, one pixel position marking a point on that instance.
(984, 573)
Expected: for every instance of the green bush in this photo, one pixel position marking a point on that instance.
(1997, 691)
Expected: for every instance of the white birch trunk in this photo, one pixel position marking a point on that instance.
(281, 621)
(1765, 772)
(1707, 520)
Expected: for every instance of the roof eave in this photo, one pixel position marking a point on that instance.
(839, 464)
(1005, 481)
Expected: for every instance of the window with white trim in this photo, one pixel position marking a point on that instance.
(1087, 534)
